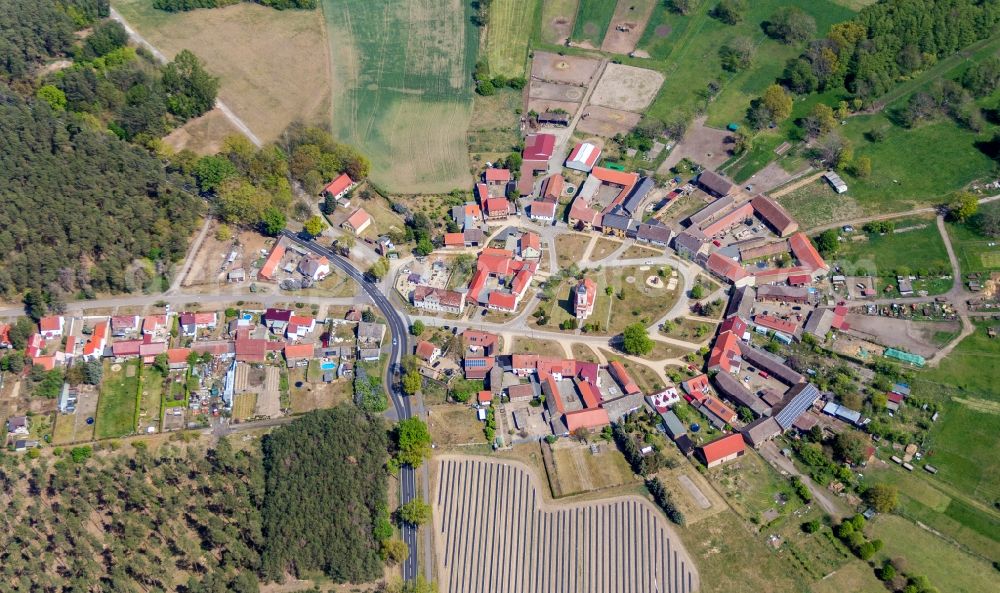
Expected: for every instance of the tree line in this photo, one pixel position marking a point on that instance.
(185, 5)
(32, 31)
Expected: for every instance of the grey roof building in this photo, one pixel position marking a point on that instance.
(730, 387)
(803, 396)
(673, 424)
(760, 431)
(715, 183)
(742, 302)
(639, 193)
(691, 243)
(710, 212)
(654, 234)
(774, 366)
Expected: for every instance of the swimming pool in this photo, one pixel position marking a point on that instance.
(327, 366)
(247, 316)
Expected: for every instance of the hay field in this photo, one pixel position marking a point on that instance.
(272, 63)
(511, 23)
(494, 532)
(402, 91)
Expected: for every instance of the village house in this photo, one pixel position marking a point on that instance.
(339, 187)
(426, 351)
(479, 341)
(715, 184)
(438, 299)
(270, 267)
(177, 358)
(721, 450)
(98, 341)
(530, 246)
(542, 211)
(125, 325)
(299, 326)
(18, 425)
(299, 354)
(51, 326)
(190, 323)
(553, 188)
(314, 268)
(357, 222)
(276, 320)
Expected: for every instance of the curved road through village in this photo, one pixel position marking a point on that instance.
(400, 402)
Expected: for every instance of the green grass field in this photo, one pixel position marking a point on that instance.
(947, 567)
(691, 54)
(919, 249)
(511, 24)
(592, 20)
(402, 90)
(975, 254)
(116, 405)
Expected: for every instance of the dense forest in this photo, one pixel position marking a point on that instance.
(81, 211)
(78, 206)
(182, 5)
(325, 503)
(888, 40)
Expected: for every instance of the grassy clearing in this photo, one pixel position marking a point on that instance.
(634, 301)
(272, 64)
(974, 252)
(116, 405)
(62, 431)
(689, 329)
(947, 567)
(403, 93)
(152, 395)
(855, 577)
(244, 405)
(816, 204)
(577, 470)
(523, 345)
(570, 247)
(592, 20)
(904, 252)
(583, 352)
(690, 51)
(557, 19)
(754, 489)
(511, 24)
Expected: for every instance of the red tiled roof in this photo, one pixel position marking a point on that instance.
(270, 265)
(538, 147)
(213, 348)
(804, 251)
(98, 339)
(484, 396)
(588, 393)
(4, 334)
(425, 349)
(249, 349)
(126, 347)
(497, 206)
(177, 355)
(615, 177)
(483, 193)
(543, 209)
(771, 322)
(696, 386)
(497, 175)
(725, 267)
(719, 409)
(621, 375)
(735, 325)
(774, 214)
(477, 338)
(894, 397)
(588, 419)
(593, 152)
(70, 342)
(581, 211)
(554, 186)
(723, 447)
(448, 298)
(299, 351)
(499, 300)
(50, 323)
(725, 352)
(733, 218)
(338, 185)
(454, 239)
(46, 362)
(556, 366)
(521, 282)
(799, 279)
(531, 240)
(357, 219)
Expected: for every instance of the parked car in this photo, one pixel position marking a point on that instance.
(764, 374)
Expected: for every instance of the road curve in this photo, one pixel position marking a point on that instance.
(400, 402)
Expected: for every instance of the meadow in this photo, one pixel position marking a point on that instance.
(690, 50)
(403, 92)
(558, 17)
(259, 55)
(974, 250)
(116, 405)
(592, 20)
(919, 249)
(511, 24)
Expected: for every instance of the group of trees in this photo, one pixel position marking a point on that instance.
(662, 497)
(325, 496)
(636, 340)
(487, 84)
(887, 40)
(75, 215)
(184, 5)
(315, 158)
(368, 392)
(181, 519)
(31, 31)
(643, 465)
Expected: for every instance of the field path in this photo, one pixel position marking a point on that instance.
(232, 117)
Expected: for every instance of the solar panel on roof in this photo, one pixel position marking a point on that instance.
(799, 404)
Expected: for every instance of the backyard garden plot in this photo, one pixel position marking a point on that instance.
(272, 64)
(592, 20)
(403, 94)
(576, 468)
(116, 407)
(511, 23)
(557, 20)
(493, 532)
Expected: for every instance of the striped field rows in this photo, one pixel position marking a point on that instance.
(494, 533)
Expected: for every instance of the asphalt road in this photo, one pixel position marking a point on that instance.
(400, 402)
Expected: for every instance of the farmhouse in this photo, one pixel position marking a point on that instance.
(98, 341)
(582, 216)
(732, 389)
(51, 326)
(339, 187)
(477, 367)
(124, 325)
(711, 212)
(530, 246)
(618, 223)
(691, 244)
(783, 294)
(357, 222)
(314, 268)
(469, 215)
(438, 299)
(725, 354)
(19, 425)
(722, 450)
(622, 377)
(270, 267)
(728, 270)
(553, 188)
(715, 184)
(495, 177)
(426, 351)
(821, 321)
(654, 234)
(774, 216)
(584, 157)
(697, 387)
(250, 349)
(476, 340)
(542, 211)
(190, 323)
(784, 326)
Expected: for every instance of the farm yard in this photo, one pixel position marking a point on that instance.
(627, 25)
(574, 468)
(404, 95)
(258, 54)
(510, 26)
(536, 546)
